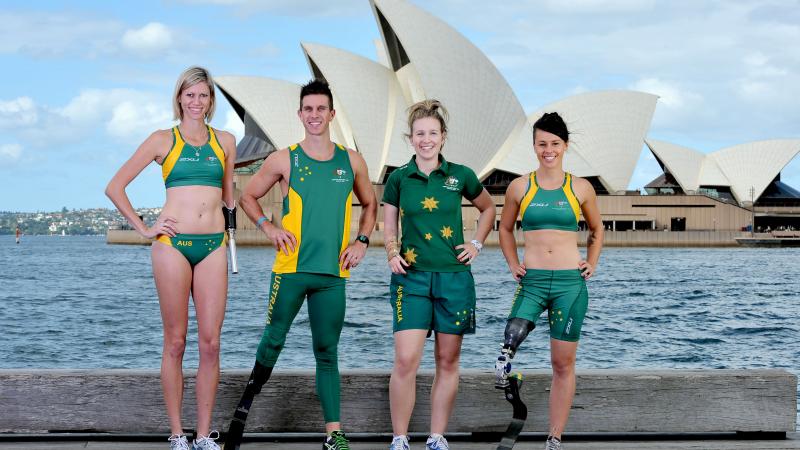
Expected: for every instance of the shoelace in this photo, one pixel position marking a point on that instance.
(553, 444)
(399, 443)
(182, 442)
(339, 441)
(203, 440)
(439, 443)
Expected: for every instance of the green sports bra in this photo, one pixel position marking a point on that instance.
(550, 209)
(187, 165)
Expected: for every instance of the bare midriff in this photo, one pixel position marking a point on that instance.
(197, 209)
(551, 250)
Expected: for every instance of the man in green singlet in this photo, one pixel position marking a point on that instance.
(314, 254)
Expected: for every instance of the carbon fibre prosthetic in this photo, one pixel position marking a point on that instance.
(517, 330)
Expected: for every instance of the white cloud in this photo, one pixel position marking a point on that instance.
(133, 120)
(10, 153)
(150, 40)
(16, 113)
(127, 115)
(305, 8)
(57, 34)
(234, 125)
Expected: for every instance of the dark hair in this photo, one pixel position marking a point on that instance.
(552, 123)
(316, 86)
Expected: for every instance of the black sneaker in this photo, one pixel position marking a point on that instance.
(336, 441)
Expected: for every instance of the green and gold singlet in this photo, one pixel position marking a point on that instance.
(317, 211)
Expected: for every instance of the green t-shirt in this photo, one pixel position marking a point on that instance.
(430, 213)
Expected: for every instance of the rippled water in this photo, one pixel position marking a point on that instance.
(76, 302)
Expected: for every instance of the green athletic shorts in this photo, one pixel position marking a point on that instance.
(440, 301)
(561, 292)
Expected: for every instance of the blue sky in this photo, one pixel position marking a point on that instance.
(84, 82)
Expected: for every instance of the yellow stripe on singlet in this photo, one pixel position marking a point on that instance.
(572, 198)
(528, 198)
(346, 233)
(292, 222)
(216, 147)
(173, 155)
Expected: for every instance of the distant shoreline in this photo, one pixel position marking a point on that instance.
(612, 238)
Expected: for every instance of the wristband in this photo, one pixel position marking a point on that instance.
(477, 244)
(261, 221)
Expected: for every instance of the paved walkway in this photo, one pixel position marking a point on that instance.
(792, 442)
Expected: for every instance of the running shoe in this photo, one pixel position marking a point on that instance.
(436, 442)
(336, 441)
(399, 443)
(553, 443)
(178, 442)
(206, 442)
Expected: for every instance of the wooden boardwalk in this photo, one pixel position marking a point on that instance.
(792, 441)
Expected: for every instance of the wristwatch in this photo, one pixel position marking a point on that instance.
(477, 244)
(363, 239)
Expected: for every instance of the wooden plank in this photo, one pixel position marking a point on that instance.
(662, 401)
(668, 444)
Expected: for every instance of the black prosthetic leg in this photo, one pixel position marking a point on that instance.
(258, 377)
(520, 413)
(516, 331)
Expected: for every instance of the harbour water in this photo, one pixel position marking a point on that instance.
(76, 302)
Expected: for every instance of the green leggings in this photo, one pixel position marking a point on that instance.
(326, 306)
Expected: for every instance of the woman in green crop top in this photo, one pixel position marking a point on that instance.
(188, 254)
(553, 275)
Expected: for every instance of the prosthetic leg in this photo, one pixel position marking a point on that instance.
(258, 377)
(516, 331)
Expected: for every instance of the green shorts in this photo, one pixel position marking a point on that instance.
(561, 292)
(440, 301)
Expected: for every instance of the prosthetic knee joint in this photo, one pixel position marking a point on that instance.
(516, 331)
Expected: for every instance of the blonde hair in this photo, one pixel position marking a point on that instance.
(427, 108)
(189, 78)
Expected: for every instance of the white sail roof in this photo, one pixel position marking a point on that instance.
(484, 111)
(742, 167)
(369, 97)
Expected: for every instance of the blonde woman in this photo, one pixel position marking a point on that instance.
(431, 288)
(188, 254)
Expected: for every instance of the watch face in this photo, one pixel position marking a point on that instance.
(362, 238)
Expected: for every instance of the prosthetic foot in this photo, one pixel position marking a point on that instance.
(258, 377)
(520, 412)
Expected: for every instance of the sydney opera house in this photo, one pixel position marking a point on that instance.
(420, 57)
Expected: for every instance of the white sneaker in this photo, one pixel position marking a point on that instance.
(206, 442)
(436, 442)
(178, 442)
(399, 443)
(552, 443)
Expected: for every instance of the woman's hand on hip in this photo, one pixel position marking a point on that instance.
(587, 270)
(468, 253)
(397, 265)
(164, 225)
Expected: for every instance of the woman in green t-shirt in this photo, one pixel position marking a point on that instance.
(431, 287)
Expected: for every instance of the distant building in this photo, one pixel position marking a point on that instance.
(421, 57)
